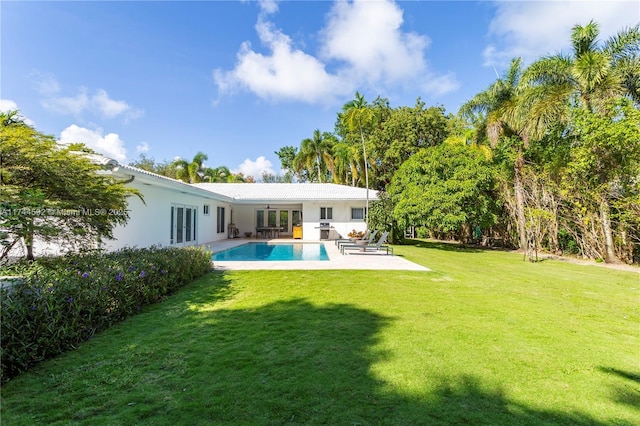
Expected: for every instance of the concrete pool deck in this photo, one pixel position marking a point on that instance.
(352, 260)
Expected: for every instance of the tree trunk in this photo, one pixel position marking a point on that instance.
(519, 195)
(28, 242)
(605, 221)
(366, 175)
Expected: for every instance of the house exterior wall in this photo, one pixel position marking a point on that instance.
(150, 222)
(341, 219)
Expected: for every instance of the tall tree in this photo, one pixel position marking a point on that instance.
(588, 78)
(191, 172)
(498, 116)
(287, 155)
(53, 193)
(400, 134)
(316, 154)
(358, 116)
(446, 188)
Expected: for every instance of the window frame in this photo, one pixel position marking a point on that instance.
(362, 211)
(326, 213)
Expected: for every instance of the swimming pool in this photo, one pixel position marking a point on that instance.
(273, 251)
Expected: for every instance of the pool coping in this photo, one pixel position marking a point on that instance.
(353, 260)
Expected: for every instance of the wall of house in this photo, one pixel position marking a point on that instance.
(341, 221)
(150, 222)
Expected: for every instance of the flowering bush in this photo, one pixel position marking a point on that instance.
(356, 234)
(63, 301)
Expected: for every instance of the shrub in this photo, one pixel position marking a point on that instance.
(64, 301)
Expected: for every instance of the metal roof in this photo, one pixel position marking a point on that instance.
(288, 191)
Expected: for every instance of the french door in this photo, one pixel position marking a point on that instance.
(183, 225)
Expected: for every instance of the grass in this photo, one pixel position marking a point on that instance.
(482, 339)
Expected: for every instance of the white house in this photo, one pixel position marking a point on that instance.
(178, 214)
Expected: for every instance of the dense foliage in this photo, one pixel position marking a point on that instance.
(193, 171)
(447, 188)
(53, 193)
(64, 301)
(561, 138)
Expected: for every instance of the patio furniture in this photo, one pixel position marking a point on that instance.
(268, 231)
(370, 247)
(339, 241)
(366, 240)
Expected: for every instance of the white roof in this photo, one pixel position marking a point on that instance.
(288, 191)
(248, 192)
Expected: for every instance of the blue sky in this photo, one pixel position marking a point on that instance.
(238, 80)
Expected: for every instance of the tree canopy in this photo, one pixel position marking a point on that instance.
(53, 193)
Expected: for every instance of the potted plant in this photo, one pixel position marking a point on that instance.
(356, 235)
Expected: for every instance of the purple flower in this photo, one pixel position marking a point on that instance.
(70, 299)
(142, 274)
(164, 271)
(85, 275)
(33, 308)
(119, 276)
(131, 268)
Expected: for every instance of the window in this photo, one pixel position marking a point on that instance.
(205, 210)
(259, 218)
(326, 213)
(271, 218)
(357, 213)
(220, 220)
(296, 217)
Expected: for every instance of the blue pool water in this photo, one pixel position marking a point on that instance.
(278, 251)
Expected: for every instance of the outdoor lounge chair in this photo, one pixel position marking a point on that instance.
(369, 237)
(379, 246)
(344, 240)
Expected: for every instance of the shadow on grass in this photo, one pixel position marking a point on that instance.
(444, 246)
(625, 393)
(202, 358)
(300, 363)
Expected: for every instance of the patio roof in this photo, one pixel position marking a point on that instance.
(258, 192)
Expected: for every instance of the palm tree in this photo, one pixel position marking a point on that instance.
(190, 172)
(356, 115)
(316, 154)
(588, 78)
(218, 174)
(346, 163)
(497, 114)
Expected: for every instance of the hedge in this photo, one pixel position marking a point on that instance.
(64, 301)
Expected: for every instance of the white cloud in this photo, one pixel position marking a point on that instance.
(46, 84)
(100, 103)
(362, 40)
(287, 73)
(368, 37)
(533, 29)
(268, 6)
(255, 168)
(68, 105)
(142, 148)
(109, 145)
(7, 105)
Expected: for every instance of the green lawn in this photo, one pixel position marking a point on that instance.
(482, 339)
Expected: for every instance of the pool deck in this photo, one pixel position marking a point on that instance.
(352, 260)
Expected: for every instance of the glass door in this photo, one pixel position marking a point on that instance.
(284, 221)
